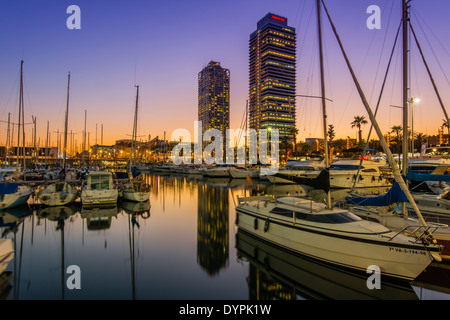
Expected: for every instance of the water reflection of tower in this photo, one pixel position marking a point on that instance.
(212, 228)
(263, 287)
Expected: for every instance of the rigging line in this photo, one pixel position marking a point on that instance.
(432, 50)
(429, 74)
(382, 49)
(395, 170)
(366, 146)
(392, 87)
(419, 18)
(353, 88)
(14, 88)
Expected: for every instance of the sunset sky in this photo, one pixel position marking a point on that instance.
(162, 45)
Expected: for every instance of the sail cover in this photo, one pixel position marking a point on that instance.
(7, 188)
(394, 195)
(427, 177)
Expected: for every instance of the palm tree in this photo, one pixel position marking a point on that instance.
(330, 133)
(419, 139)
(358, 122)
(397, 130)
(445, 125)
(294, 132)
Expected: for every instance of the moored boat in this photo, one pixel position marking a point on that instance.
(13, 194)
(99, 189)
(335, 236)
(57, 194)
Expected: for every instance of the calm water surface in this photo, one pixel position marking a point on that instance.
(183, 245)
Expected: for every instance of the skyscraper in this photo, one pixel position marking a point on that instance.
(272, 76)
(214, 97)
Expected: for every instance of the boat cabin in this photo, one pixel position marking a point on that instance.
(100, 181)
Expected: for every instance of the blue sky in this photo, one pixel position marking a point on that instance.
(162, 45)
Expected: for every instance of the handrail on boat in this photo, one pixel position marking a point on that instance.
(256, 198)
(426, 233)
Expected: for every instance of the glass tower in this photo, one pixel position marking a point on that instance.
(272, 76)
(214, 97)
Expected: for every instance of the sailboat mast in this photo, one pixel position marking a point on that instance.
(405, 85)
(66, 122)
(84, 137)
(322, 84)
(395, 170)
(7, 139)
(20, 113)
(134, 135)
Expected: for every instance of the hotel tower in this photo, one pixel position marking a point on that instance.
(272, 75)
(214, 97)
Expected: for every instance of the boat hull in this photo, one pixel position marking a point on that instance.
(16, 199)
(99, 197)
(51, 196)
(136, 196)
(340, 248)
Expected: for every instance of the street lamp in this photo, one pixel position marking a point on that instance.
(412, 101)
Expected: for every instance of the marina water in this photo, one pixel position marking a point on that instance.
(183, 244)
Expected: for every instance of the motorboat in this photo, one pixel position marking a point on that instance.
(99, 189)
(57, 194)
(218, 171)
(430, 171)
(298, 170)
(243, 173)
(370, 173)
(334, 236)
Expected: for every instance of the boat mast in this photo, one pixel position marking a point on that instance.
(21, 107)
(7, 139)
(134, 135)
(405, 85)
(395, 169)
(84, 137)
(324, 106)
(65, 124)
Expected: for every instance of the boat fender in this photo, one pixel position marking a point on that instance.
(146, 215)
(266, 225)
(255, 224)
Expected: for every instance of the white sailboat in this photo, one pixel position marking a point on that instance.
(135, 190)
(60, 193)
(414, 203)
(14, 194)
(335, 235)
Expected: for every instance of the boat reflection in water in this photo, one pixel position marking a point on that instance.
(277, 274)
(183, 246)
(99, 218)
(10, 221)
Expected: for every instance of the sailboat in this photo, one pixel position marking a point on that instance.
(394, 209)
(60, 193)
(14, 194)
(135, 190)
(335, 235)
